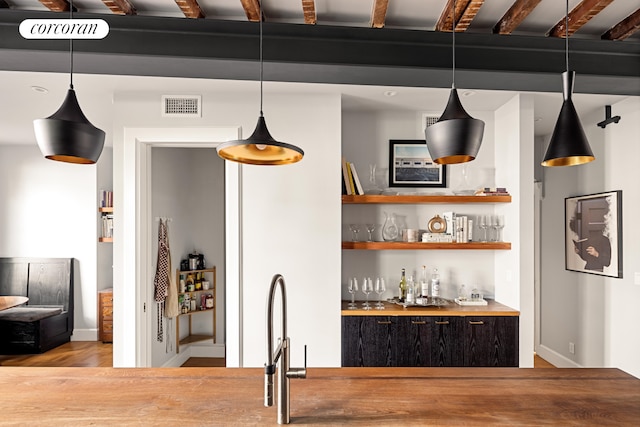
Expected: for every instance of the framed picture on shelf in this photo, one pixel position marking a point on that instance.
(593, 234)
(410, 165)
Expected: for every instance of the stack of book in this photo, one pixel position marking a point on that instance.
(107, 225)
(106, 199)
(350, 181)
(492, 191)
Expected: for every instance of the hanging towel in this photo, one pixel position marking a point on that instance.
(161, 282)
(171, 309)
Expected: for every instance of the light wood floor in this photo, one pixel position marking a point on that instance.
(98, 354)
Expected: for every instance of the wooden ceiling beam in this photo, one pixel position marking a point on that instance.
(379, 13)
(251, 9)
(624, 28)
(465, 11)
(190, 8)
(580, 15)
(120, 7)
(57, 5)
(309, 11)
(514, 16)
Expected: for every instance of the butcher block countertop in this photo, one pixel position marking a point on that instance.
(493, 308)
(328, 396)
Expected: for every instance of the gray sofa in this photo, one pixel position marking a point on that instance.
(46, 320)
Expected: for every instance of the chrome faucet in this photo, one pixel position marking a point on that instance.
(282, 353)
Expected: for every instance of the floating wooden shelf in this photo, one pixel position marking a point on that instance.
(105, 239)
(106, 210)
(195, 338)
(413, 199)
(378, 246)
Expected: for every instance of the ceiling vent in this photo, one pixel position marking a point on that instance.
(428, 120)
(181, 106)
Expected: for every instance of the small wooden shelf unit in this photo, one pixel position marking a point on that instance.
(191, 338)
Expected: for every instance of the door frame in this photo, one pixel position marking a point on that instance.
(133, 253)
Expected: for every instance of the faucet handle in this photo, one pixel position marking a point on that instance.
(299, 372)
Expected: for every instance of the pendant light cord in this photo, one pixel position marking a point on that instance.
(261, 66)
(566, 34)
(71, 48)
(453, 30)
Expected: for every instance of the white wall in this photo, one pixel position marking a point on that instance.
(596, 313)
(290, 219)
(49, 209)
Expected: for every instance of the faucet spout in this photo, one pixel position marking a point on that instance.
(280, 355)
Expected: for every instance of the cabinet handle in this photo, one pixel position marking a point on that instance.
(384, 322)
(479, 322)
(444, 322)
(416, 322)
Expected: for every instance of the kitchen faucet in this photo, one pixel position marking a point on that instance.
(282, 353)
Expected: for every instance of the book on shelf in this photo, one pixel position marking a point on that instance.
(106, 199)
(356, 179)
(492, 191)
(345, 178)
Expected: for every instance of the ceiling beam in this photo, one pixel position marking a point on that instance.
(251, 9)
(190, 8)
(57, 5)
(624, 28)
(514, 16)
(120, 7)
(309, 10)
(579, 15)
(466, 10)
(216, 49)
(379, 13)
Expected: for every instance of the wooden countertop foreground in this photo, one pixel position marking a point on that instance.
(492, 309)
(328, 396)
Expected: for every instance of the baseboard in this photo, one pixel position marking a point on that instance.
(556, 359)
(211, 350)
(84, 335)
(179, 359)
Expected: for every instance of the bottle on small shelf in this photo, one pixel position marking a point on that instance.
(402, 287)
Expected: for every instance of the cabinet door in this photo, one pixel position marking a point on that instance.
(369, 341)
(446, 341)
(414, 336)
(491, 341)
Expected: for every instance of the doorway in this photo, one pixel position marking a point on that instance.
(134, 251)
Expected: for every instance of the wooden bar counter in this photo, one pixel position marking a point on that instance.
(493, 308)
(328, 396)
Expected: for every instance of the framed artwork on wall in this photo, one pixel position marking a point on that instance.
(410, 165)
(593, 234)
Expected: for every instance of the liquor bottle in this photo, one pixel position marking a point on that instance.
(411, 296)
(435, 284)
(402, 287)
(424, 283)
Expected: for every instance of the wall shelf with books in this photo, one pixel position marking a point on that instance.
(425, 245)
(105, 210)
(420, 199)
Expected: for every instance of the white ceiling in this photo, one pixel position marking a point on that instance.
(22, 104)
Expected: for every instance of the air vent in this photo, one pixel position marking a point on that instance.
(428, 120)
(181, 106)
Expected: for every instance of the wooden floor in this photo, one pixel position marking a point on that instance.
(98, 354)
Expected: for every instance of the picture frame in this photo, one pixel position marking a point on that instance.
(593, 234)
(410, 165)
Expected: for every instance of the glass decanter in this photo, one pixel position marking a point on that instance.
(390, 228)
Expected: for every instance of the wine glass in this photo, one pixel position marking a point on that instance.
(367, 288)
(370, 229)
(353, 288)
(499, 225)
(355, 229)
(380, 289)
(483, 223)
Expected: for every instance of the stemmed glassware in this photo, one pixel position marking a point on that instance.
(367, 288)
(380, 289)
(483, 224)
(353, 288)
(355, 229)
(498, 224)
(370, 228)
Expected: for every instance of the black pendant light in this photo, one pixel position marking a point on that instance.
(260, 148)
(67, 135)
(568, 145)
(456, 136)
